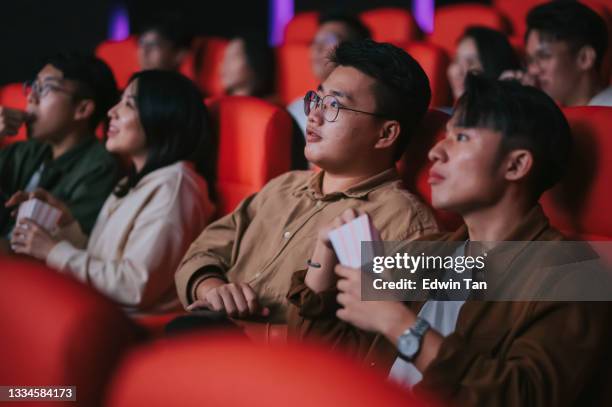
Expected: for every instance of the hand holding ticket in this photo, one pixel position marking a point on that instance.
(347, 239)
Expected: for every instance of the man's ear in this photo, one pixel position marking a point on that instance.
(586, 58)
(85, 109)
(518, 164)
(389, 133)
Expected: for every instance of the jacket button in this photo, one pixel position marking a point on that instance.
(287, 235)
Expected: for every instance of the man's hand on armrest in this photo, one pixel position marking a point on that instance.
(237, 300)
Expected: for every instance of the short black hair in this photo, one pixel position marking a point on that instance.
(402, 89)
(356, 29)
(173, 27)
(176, 125)
(571, 22)
(94, 81)
(494, 50)
(526, 117)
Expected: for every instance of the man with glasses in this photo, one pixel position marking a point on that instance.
(334, 28)
(66, 102)
(565, 46)
(359, 121)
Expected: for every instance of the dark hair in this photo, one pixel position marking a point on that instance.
(572, 22)
(172, 27)
(526, 117)
(402, 90)
(261, 59)
(494, 50)
(356, 29)
(176, 126)
(94, 81)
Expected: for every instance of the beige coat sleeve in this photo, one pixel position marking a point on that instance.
(144, 271)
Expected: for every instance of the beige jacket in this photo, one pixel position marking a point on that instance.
(139, 240)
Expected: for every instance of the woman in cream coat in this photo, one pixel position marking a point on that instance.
(147, 224)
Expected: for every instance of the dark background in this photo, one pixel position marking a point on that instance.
(33, 29)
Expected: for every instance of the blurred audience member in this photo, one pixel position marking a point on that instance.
(359, 122)
(334, 28)
(482, 50)
(565, 45)
(164, 42)
(248, 68)
(154, 213)
(65, 104)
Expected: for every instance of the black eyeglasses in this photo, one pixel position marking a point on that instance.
(329, 105)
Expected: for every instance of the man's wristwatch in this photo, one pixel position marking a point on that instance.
(409, 343)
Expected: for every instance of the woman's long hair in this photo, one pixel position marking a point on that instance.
(176, 125)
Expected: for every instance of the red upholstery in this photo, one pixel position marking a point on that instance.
(451, 21)
(580, 205)
(302, 28)
(11, 95)
(226, 371)
(414, 165)
(294, 73)
(516, 13)
(209, 54)
(434, 62)
(122, 58)
(56, 331)
(254, 146)
(390, 24)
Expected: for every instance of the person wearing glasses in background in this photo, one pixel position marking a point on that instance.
(65, 104)
(359, 121)
(334, 28)
(566, 45)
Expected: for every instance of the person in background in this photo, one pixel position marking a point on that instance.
(66, 102)
(482, 50)
(248, 69)
(164, 42)
(505, 145)
(565, 45)
(334, 28)
(147, 224)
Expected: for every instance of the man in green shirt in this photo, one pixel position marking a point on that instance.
(69, 98)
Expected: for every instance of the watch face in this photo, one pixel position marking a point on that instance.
(408, 345)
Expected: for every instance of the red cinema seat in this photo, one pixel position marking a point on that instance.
(580, 205)
(56, 331)
(121, 57)
(516, 13)
(294, 74)
(254, 146)
(390, 24)
(302, 28)
(209, 53)
(12, 95)
(434, 62)
(451, 21)
(414, 165)
(217, 370)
